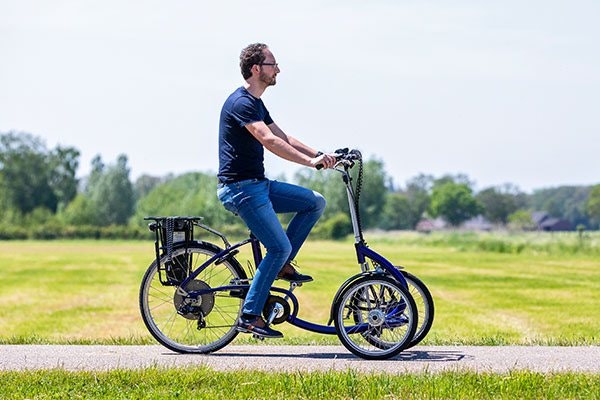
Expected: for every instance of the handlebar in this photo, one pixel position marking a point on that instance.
(345, 157)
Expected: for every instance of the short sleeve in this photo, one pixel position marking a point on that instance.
(245, 111)
(267, 119)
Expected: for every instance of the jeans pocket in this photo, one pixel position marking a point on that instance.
(226, 198)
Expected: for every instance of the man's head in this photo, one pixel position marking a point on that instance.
(257, 59)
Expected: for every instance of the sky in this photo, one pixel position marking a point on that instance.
(503, 92)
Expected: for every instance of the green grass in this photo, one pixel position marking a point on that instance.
(204, 383)
(489, 289)
(86, 291)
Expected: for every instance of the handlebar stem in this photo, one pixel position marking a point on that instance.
(358, 238)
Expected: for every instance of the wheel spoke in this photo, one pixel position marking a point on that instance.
(367, 321)
(200, 325)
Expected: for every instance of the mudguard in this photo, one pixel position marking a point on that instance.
(343, 288)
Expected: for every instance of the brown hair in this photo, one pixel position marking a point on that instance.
(251, 55)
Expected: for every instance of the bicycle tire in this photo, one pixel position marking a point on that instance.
(425, 307)
(425, 310)
(375, 306)
(205, 328)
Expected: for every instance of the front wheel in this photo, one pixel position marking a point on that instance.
(192, 325)
(375, 307)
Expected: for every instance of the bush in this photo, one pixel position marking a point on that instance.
(10, 232)
(52, 231)
(337, 227)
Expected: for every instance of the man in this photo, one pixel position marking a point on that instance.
(245, 129)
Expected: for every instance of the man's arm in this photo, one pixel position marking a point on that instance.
(287, 147)
(295, 143)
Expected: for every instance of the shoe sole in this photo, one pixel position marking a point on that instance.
(244, 330)
(290, 281)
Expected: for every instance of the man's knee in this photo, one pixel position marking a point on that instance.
(281, 249)
(320, 202)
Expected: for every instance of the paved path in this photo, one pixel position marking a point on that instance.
(305, 358)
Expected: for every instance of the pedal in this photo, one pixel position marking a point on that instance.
(239, 293)
(257, 337)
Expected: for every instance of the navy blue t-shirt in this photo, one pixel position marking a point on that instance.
(241, 156)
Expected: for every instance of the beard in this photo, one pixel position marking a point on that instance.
(269, 80)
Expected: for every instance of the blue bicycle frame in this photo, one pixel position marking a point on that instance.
(363, 254)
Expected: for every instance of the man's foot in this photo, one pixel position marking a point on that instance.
(257, 326)
(289, 273)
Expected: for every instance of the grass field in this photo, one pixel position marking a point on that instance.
(202, 383)
(488, 289)
(86, 291)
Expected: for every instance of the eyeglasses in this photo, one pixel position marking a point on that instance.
(276, 65)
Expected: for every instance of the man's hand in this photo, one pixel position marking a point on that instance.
(323, 161)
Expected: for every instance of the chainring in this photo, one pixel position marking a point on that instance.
(284, 309)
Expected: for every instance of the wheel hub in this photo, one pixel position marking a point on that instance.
(191, 307)
(376, 317)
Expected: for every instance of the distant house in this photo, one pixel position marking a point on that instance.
(478, 223)
(429, 225)
(544, 222)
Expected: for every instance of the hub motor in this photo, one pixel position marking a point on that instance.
(191, 307)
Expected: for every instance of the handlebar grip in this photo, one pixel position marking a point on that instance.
(343, 154)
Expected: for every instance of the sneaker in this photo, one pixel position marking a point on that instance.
(289, 273)
(257, 326)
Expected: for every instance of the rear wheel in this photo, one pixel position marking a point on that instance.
(425, 308)
(425, 311)
(375, 317)
(188, 324)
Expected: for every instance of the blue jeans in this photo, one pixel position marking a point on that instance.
(257, 202)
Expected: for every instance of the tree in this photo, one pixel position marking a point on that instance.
(397, 212)
(329, 184)
(111, 192)
(593, 204)
(95, 174)
(79, 212)
(457, 178)
(373, 193)
(521, 219)
(194, 194)
(404, 209)
(63, 162)
(454, 202)
(25, 176)
(144, 185)
(568, 202)
(499, 202)
(32, 176)
(418, 196)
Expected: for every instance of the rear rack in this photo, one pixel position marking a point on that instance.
(168, 231)
(171, 230)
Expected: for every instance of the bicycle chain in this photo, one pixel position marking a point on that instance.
(169, 227)
(359, 182)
